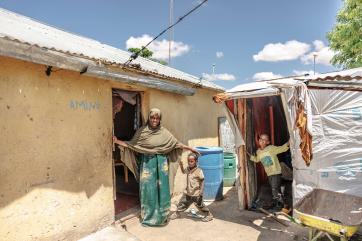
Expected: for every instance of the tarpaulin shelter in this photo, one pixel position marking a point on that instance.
(322, 115)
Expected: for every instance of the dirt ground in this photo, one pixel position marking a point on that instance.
(229, 224)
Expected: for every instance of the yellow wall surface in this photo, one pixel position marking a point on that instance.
(56, 150)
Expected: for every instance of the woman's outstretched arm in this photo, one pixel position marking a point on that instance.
(189, 148)
(119, 142)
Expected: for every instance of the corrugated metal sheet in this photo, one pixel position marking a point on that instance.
(347, 79)
(349, 74)
(26, 30)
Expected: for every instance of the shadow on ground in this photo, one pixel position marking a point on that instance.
(227, 210)
(229, 224)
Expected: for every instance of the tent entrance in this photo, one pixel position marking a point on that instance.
(265, 115)
(126, 120)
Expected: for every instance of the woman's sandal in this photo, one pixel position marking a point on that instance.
(174, 215)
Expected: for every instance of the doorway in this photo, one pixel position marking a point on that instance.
(126, 120)
(265, 115)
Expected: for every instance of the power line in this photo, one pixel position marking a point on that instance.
(135, 55)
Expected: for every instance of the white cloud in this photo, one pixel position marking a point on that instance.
(318, 45)
(304, 72)
(323, 54)
(279, 52)
(219, 54)
(265, 76)
(159, 48)
(213, 77)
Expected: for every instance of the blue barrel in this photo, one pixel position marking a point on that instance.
(211, 162)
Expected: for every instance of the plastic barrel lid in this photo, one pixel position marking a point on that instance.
(209, 149)
(228, 155)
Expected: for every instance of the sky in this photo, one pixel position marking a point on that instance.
(229, 42)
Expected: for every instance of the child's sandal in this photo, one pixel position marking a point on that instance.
(207, 219)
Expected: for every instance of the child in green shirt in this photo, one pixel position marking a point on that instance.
(267, 155)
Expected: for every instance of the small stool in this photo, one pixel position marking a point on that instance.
(125, 169)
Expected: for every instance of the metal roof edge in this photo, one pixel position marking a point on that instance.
(113, 55)
(38, 55)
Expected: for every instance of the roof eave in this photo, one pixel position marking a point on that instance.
(35, 54)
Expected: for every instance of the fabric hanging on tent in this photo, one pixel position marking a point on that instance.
(230, 105)
(221, 97)
(306, 138)
(303, 122)
(128, 96)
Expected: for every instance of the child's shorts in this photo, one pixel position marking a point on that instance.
(186, 202)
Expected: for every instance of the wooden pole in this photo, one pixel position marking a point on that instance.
(271, 123)
(113, 165)
(242, 151)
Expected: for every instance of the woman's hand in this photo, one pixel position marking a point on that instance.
(119, 142)
(190, 149)
(195, 151)
(115, 140)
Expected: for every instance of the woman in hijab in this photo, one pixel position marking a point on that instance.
(160, 151)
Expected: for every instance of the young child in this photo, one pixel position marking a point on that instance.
(267, 155)
(194, 189)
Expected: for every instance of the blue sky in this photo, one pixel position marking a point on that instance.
(246, 40)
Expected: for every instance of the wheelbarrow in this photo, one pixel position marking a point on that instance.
(328, 213)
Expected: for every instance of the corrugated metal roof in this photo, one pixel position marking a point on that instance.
(349, 74)
(352, 75)
(347, 79)
(26, 30)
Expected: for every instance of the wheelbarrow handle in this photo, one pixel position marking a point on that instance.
(292, 219)
(272, 216)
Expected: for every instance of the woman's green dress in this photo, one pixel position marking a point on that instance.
(158, 155)
(154, 190)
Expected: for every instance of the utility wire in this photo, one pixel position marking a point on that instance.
(135, 55)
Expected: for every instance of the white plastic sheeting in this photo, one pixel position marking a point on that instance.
(253, 86)
(337, 144)
(234, 127)
(252, 90)
(335, 121)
